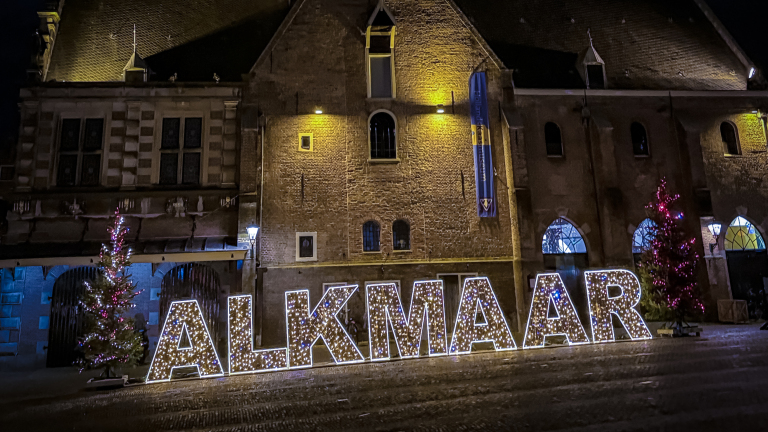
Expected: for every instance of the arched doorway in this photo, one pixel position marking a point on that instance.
(193, 281)
(566, 253)
(67, 316)
(747, 265)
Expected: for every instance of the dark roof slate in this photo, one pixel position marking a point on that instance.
(648, 44)
(194, 38)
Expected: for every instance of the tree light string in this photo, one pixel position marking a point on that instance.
(384, 306)
(601, 306)
(304, 329)
(168, 355)
(550, 288)
(242, 357)
(477, 295)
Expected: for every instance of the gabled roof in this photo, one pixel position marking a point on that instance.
(645, 44)
(194, 38)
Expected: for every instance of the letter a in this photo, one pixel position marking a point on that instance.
(384, 306)
(304, 329)
(477, 296)
(168, 355)
(550, 288)
(242, 357)
(601, 306)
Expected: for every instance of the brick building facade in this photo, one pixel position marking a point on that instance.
(344, 131)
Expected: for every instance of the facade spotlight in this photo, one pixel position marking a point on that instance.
(752, 72)
(318, 111)
(440, 109)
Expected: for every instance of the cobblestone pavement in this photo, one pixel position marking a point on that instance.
(718, 382)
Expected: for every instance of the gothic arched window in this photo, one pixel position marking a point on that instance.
(644, 235)
(562, 238)
(553, 139)
(383, 136)
(730, 138)
(639, 139)
(371, 235)
(742, 235)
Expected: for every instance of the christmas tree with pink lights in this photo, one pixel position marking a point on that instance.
(110, 341)
(668, 266)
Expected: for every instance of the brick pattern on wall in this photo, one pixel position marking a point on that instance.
(27, 150)
(341, 189)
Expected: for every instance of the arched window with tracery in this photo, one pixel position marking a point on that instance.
(371, 236)
(401, 235)
(644, 235)
(562, 237)
(383, 136)
(743, 236)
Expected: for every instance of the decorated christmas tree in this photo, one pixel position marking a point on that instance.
(668, 266)
(110, 341)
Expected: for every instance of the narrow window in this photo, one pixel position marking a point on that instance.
(401, 235)
(595, 76)
(371, 235)
(80, 154)
(553, 139)
(305, 142)
(639, 139)
(383, 136)
(730, 139)
(380, 52)
(180, 159)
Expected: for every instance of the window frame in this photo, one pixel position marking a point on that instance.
(181, 151)
(395, 159)
(299, 235)
(735, 134)
(562, 144)
(80, 152)
(647, 139)
(378, 251)
(368, 55)
(410, 246)
(311, 142)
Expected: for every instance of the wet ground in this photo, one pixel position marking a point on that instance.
(718, 382)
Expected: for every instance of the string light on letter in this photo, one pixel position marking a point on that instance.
(601, 306)
(385, 306)
(242, 357)
(201, 352)
(478, 296)
(304, 329)
(550, 288)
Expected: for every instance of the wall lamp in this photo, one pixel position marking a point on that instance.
(752, 72)
(440, 109)
(318, 111)
(253, 230)
(714, 228)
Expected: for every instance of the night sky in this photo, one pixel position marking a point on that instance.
(18, 22)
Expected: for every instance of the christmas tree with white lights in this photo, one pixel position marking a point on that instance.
(667, 268)
(110, 341)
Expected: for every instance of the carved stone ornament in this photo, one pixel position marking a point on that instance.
(176, 207)
(75, 209)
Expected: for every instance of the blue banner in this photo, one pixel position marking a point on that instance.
(481, 143)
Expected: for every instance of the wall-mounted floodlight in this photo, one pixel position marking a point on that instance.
(440, 109)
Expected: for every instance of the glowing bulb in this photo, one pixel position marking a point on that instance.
(318, 111)
(440, 109)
